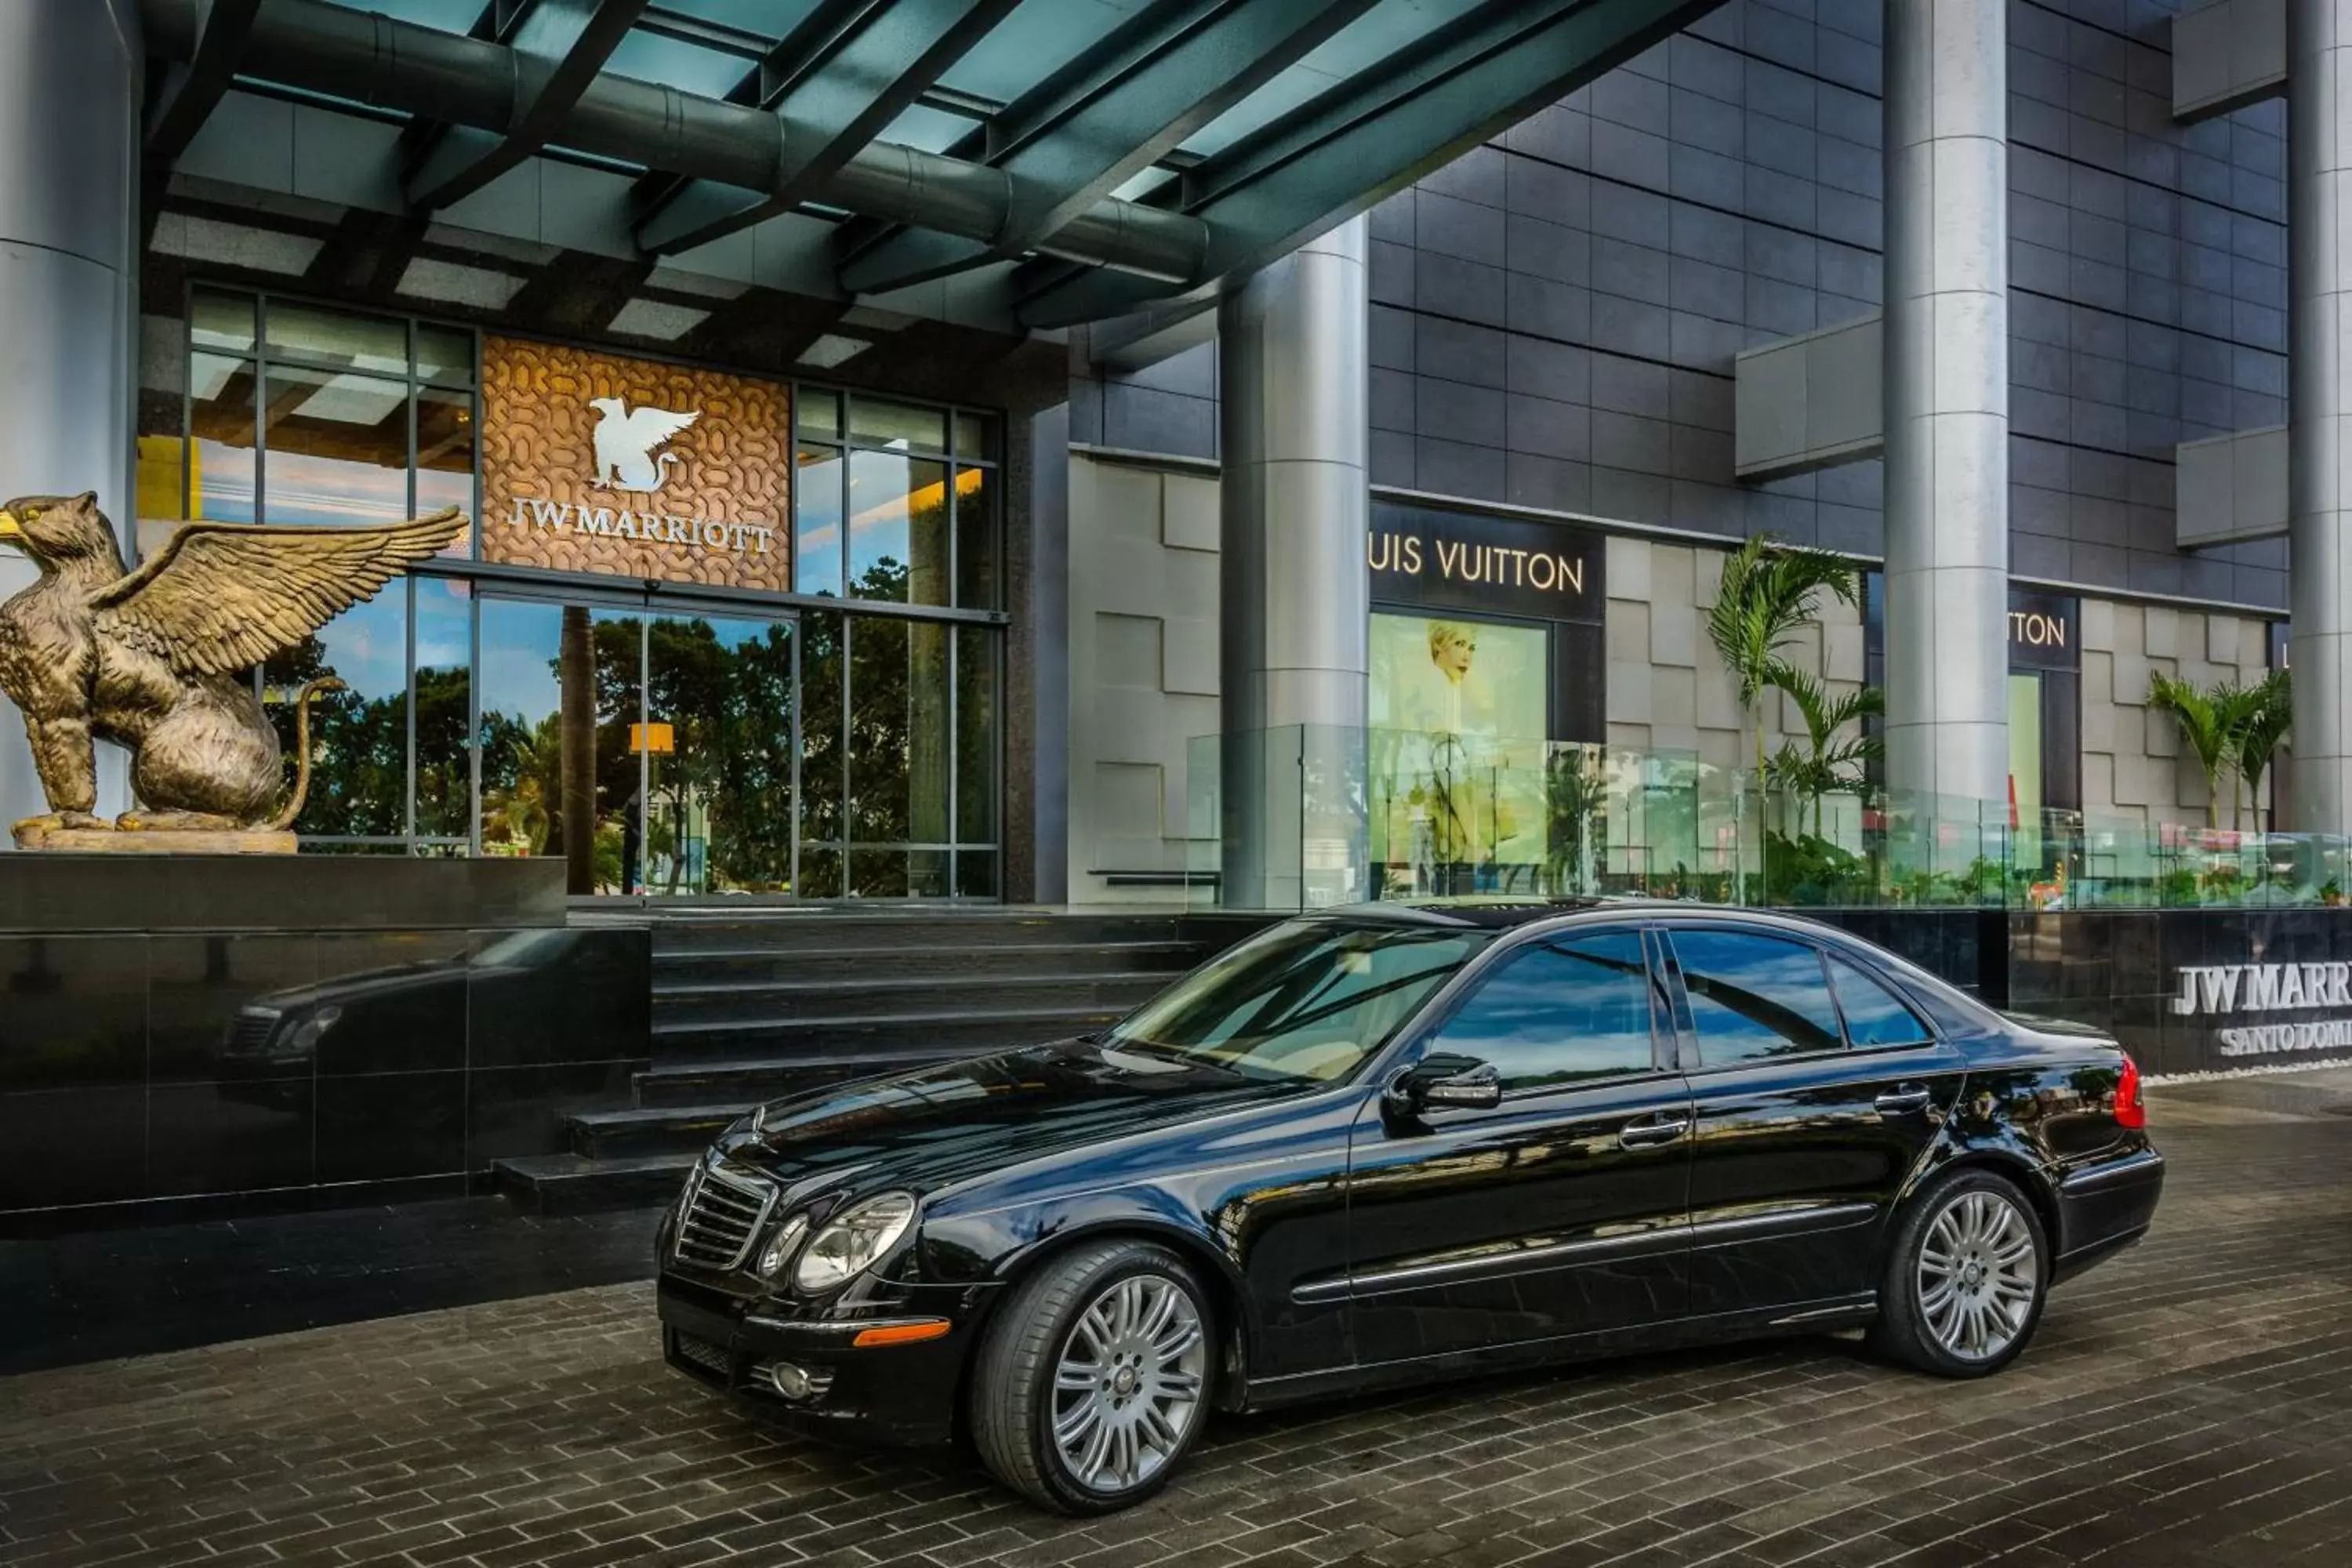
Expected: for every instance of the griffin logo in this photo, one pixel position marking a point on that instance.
(628, 455)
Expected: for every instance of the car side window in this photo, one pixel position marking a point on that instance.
(1556, 1013)
(1754, 996)
(1874, 1016)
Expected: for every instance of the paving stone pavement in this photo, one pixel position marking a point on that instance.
(2190, 1403)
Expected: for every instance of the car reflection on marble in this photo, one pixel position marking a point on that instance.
(1395, 1144)
(372, 1016)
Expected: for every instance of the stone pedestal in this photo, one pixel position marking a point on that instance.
(112, 841)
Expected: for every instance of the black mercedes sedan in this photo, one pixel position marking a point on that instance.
(1395, 1144)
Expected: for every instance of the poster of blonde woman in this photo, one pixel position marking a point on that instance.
(1458, 711)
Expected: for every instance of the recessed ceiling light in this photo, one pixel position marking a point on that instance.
(455, 283)
(832, 350)
(657, 319)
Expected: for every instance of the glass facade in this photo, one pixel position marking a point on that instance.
(679, 742)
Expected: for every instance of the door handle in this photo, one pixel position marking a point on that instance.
(1652, 1132)
(1902, 1100)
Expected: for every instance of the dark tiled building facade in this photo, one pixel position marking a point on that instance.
(1556, 314)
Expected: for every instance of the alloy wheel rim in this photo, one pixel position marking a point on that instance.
(1978, 1274)
(1127, 1389)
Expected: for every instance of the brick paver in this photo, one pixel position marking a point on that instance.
(2190, 1403)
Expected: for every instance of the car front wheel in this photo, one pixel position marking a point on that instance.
(1966, 1279)
(1094, 1377)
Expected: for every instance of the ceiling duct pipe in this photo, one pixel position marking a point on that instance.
(380, 61)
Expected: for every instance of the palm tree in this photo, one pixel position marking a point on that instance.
(2212, 722)
(1832, 766)
(1768, 593)
(2264, 733)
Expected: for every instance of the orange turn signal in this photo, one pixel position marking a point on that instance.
(901, 1333)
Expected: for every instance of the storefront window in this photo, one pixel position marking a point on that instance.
(335, 448)
(1459, 724)
(222, 431)
(359, 735)
(898, 529)
(561, 688)
(444, 455)
(366, 418)
(442, 691)
(885, 517)
(718, 748)
(903, 425)
(322, 336)
(816, 530)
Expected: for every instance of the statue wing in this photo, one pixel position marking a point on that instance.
(225, 596)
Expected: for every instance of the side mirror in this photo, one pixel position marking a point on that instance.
(1447, 1081)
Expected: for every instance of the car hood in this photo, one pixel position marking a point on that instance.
(956, 1121)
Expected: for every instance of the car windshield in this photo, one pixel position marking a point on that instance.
(1310, 999)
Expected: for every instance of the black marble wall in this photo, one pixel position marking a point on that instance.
(2120, 971)
(260, 1057)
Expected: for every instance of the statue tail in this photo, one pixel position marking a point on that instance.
(284, 818)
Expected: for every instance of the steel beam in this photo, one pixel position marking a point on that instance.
(189, 93)
(1114, 112)
(836, 84)
(379, 60)
(557, 46)
(1376, 132)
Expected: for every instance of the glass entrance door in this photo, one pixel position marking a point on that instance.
(654, 753)
(719, 750)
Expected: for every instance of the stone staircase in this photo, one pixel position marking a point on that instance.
(748, 1007)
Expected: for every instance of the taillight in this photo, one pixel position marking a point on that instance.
(2131, 1110)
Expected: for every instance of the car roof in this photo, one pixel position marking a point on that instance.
(1508, 911)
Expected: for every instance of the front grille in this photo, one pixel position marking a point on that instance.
(721, 1218)
(249, 1032)
(703, 1354)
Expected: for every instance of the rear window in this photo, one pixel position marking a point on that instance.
(1874, 1016)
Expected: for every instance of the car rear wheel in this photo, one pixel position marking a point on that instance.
(1094, 1377)
(1966, 1278)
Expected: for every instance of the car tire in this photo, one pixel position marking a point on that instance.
(1966, 1278)
(1105, 1356)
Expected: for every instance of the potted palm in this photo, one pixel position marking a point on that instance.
(2263, 731)
(1768, 592)
(2213, 723)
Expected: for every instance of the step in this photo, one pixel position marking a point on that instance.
(882, 999)
(946, 959)
(657, 1130)
(750, 1080)
(570, 1183)
(811, 931)
(883, 1041)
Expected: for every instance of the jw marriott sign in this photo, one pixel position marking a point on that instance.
(2228, 988)
(693, 532)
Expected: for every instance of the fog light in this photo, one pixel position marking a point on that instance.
(795, 1383)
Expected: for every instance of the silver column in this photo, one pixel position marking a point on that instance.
(1946, 388)
(68, 193)
(1294, 382)
(2319, 405)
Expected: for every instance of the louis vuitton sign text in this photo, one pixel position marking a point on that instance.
(598, 463)
(1436, 560)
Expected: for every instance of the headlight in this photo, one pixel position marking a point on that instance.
(849, 1246)
(780, 1247)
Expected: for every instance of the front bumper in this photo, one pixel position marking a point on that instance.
(897, 1394)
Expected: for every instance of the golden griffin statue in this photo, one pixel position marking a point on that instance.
(159, 660)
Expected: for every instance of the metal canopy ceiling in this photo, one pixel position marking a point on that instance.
(1125, 152)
